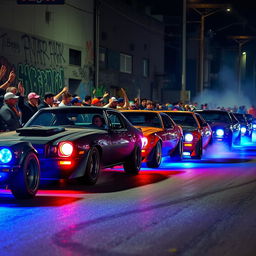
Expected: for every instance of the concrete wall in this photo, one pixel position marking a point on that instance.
(125, 30)
(35, 42)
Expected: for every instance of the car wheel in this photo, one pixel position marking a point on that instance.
(25, 182)
(155, 156)
(133, 163)
(92, 170)
(176, 155)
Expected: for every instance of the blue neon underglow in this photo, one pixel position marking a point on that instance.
(186, 153)
(5, 155)
(220, 132)
(188, 137)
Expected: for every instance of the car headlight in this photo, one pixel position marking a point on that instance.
(189, 137)
(5, 155)
(254, 126)
(243, 129)
(65, 149)
(220, 132)
(144, 141)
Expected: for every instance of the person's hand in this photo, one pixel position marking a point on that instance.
(106, 94)
(2, 71)
(11, 77)
(94, 91)
(21, 89)
(65, 89)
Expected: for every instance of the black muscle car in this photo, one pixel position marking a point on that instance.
(76, 142)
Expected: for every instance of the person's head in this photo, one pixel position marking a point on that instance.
(96, 102)
(114, 102)
(12, 89)
(149, 105)
(66, 98)
(33, 98)
(11, 99)
(76, 102)
(120, 102)
(56, 103)
(88, 99)
(97, 120)
(49, 98)
(143, 102)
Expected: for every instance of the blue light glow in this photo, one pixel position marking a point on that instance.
(186, 153)
(243, 130)
(5, 155)
(254, 126)
(220, 132)
(188, 137)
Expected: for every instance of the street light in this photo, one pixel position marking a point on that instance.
(209, 9)
(241, 40)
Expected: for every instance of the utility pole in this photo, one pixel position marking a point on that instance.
(204, 10)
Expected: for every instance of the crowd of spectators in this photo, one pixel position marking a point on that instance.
(16, 108)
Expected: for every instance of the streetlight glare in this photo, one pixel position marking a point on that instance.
(244, 53)
(228, 10)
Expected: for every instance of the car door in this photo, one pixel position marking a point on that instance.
(121, 139)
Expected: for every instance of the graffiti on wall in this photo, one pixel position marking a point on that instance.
(39, 80)
(41, 52)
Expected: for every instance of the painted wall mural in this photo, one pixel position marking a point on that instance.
(42, 64)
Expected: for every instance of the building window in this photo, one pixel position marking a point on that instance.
(145, 67)
(74, 57)
(125, 63)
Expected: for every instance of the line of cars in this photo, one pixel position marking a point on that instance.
(76, 142)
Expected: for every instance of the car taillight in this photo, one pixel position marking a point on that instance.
(65, 149)
(144, 141)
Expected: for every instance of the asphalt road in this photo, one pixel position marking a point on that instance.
(193, 208)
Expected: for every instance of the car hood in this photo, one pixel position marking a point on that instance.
(148, 130)
(44, 135)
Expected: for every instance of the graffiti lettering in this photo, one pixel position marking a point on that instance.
(40, 52)
(39, 80)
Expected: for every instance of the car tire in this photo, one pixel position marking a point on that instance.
(92, 170)
(176, 155)
(25, 183)
(133, 162)
(155, 156)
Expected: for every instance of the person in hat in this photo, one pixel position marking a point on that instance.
(112, 103)
(28, 108)
(76, 102)
(9, 113)
(96, 102)
(48, 100)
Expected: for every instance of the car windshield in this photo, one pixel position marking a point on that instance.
(212, 116)
(143, 119)
(73, 117)
(183, 119)
(240, 118)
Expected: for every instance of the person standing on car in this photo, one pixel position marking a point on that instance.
(9, 112)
